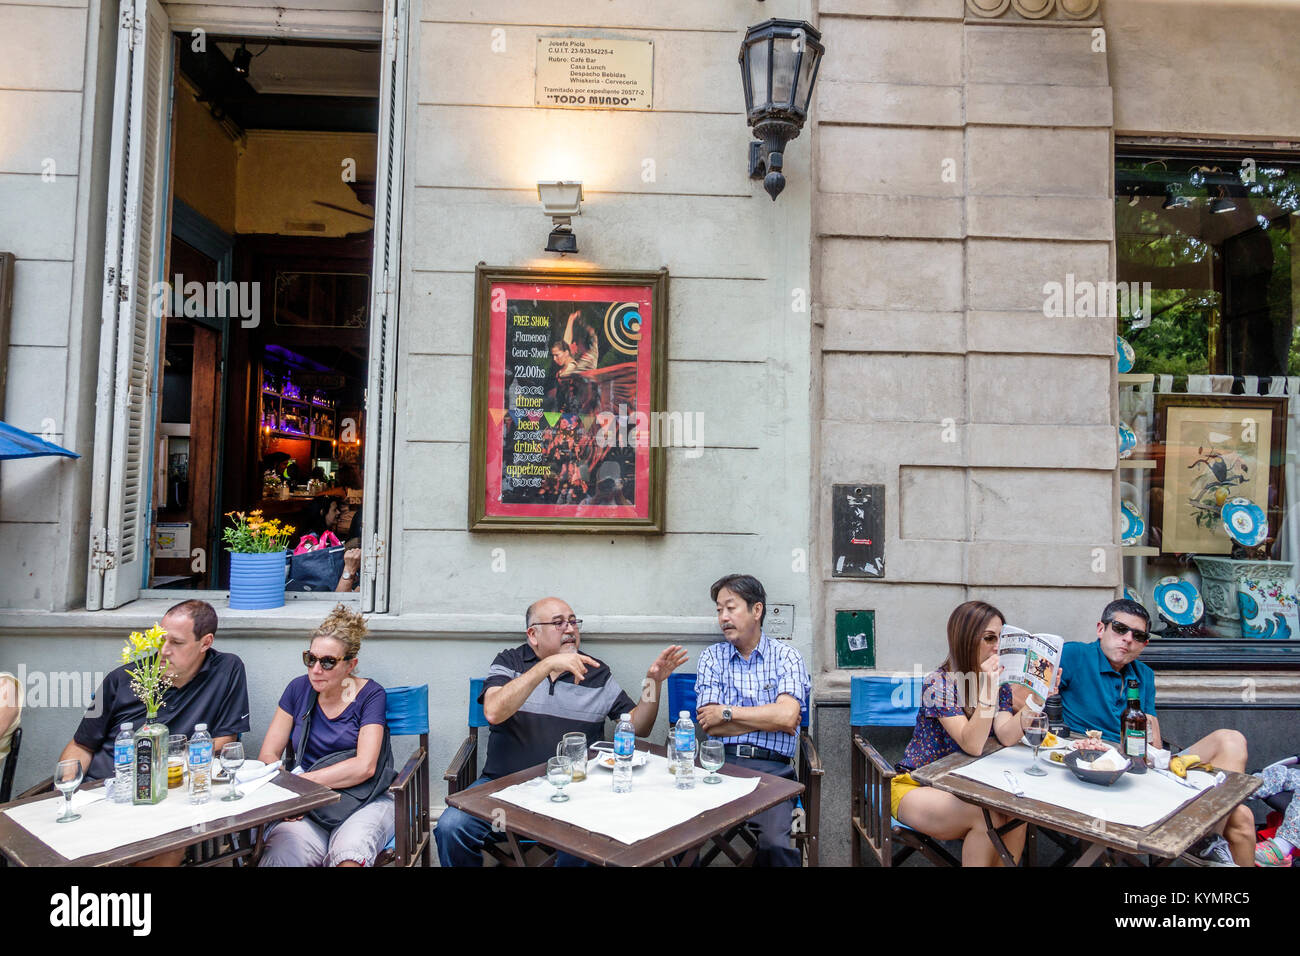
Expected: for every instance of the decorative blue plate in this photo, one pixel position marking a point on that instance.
(1245, 522)
(1179, 601)
(1127, 441)
(1131, 595)
(1123, 355)
(1131, 525)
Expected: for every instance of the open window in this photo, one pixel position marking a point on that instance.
(249, 310)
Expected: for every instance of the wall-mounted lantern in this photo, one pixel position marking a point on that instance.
(561, 201)
(778, 66)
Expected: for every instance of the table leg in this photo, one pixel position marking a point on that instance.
(687, 859)
(995, 835)
(513, 842)
(1089, 856)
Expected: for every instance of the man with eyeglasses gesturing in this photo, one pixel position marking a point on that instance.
(536, 693)
(1094, 681)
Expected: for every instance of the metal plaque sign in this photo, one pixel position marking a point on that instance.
(595, 73)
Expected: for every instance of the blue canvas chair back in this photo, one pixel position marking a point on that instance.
(476, 716)
(408, 710)
(681, 696)
(879, 700)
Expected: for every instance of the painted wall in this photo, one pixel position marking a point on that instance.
(206, 156)
(667, 187)
(51, 67)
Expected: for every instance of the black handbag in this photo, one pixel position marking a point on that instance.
(355, 797)
(314, 570)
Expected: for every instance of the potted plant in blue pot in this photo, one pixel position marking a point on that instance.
(257, 560)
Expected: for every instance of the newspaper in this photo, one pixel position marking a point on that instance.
(1029, 660)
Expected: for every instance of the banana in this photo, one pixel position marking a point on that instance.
(1180, 765)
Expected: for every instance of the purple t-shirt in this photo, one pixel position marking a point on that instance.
(329, 736)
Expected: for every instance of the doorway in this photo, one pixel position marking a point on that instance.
(265, 328)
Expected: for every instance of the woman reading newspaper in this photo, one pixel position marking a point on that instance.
(962, 703)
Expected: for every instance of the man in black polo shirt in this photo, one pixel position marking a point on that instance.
(536, 693)
(208, 687)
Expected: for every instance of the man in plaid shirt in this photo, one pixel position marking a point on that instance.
(750, 691)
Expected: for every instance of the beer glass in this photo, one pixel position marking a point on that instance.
(177, 753)
(559, 774)
(574, 746)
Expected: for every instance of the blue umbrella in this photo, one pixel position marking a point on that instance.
(16, 443)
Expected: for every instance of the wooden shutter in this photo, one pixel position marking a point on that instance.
(133, 262)
(385, 273)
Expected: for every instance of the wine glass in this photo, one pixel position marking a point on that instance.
(712, 756)
(232, 758)
(67, 777)
(1035, 733)
(559, 773)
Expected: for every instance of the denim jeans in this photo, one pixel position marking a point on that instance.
(461, 838)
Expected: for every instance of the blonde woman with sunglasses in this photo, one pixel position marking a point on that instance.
(347, 715)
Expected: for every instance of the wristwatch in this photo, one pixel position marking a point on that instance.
(347, 575)
(726, 715)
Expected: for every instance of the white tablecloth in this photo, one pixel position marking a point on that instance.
(106, 826)
(653, 805)
(1133, 800)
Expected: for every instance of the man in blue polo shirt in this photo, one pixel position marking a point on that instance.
(1094, 681)
(208, 687)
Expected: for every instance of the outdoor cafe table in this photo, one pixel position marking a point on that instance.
(1164, 840)
(684, 840)
(23, 848)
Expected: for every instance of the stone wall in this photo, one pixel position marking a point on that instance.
(962, 162)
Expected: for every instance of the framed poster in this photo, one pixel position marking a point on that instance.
(1216, 447)
(568, 401)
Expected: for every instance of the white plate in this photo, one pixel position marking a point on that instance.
(1061, 744)
(605, 760)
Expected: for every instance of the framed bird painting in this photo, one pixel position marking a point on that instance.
(1216, 448)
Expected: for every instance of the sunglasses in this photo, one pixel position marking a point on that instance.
(329, 663)
(1122, 629)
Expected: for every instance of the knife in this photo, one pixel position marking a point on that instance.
(1014, 783)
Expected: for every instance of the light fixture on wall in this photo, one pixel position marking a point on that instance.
(241, 60)
(561, 201)
(778, 67)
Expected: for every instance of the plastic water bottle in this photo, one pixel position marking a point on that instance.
(200, 759)
(624, 746)
(685, 751)
(124, 764)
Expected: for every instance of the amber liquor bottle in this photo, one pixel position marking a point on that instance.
(1133, 729)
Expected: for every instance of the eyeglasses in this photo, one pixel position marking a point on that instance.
(329, 663)
(1121, 629)
(574, 622)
